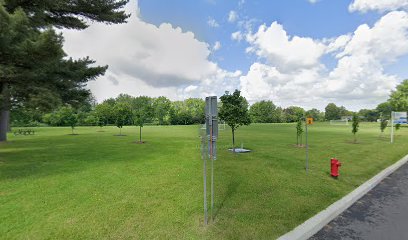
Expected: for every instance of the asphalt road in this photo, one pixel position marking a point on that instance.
(381, 214)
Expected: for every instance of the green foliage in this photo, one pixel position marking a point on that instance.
(383, 125)
(70, 14)
(384, 109)
(397, 126)
(123, 114)
(293, 113)
(234, 111)
(332, 112)
(299, 131)
(190, 111)
(369, 115)
(399, 98)
(142, 108)
(355, 125)
(315, 114)
(264, 112)
(161, 106)
(63, 116)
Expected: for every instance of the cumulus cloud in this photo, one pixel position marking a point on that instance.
(232, 16)
(357, 80)
(283, 51)
(144, 58)
(378, 5)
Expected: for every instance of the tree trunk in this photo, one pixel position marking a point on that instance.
(4, 112)
(120, 131)
(233, 139)
(140, 134)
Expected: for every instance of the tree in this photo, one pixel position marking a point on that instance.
(263, 112)
(32, 61)
(332, 112)
(315, 114)
(397, 126)
(234, 111)
(123, 115)
(383, 125)
(68, 13)
(384, 109)
(142, 111)
(399, 98)
(68, 117)
(161, 106)
(293, 113)
(369, 115)
(299, 132)
(355, 124)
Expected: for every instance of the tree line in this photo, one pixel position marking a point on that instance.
(128, 110)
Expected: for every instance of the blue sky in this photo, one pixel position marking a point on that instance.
(323, 19)
(299, 52)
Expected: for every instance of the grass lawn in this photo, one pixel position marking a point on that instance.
(98, 186)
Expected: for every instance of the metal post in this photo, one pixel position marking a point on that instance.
(212, 172)
(392, 127)
(307, 151)
(211, 135)
(203, 156)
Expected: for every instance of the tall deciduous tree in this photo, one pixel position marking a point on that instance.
(332, 112)
(263, 112)
(399, 97)
(32, 61)
(123, 115)
(142, 111)
(234, 111)
(161, 107)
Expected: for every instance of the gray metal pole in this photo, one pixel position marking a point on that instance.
(203, 154)
(212, 172)
(307, 151)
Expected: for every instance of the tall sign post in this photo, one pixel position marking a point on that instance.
(211, 127)
(392, 127)
(309, 121)
(397, 118)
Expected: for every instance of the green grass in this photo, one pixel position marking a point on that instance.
(98, 186)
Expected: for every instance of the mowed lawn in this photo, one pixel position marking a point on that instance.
(98, 186)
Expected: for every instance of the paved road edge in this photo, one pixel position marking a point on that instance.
(317, 222)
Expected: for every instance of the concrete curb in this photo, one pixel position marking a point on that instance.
(317, 222)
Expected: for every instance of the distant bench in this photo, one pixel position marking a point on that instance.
(24, 132)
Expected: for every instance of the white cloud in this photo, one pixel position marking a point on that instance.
(212, 23)
(237, 36)
(313, 1)
(217, 46)
(145, 59)
(232, 16)
(358, 80)
(283, 51)
(378, 5)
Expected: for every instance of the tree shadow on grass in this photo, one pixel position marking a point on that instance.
(231, 190)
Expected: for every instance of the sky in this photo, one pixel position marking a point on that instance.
(306, 53)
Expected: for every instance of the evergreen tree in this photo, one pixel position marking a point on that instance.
(32, 62)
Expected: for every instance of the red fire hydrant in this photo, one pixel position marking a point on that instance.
(335, 165)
